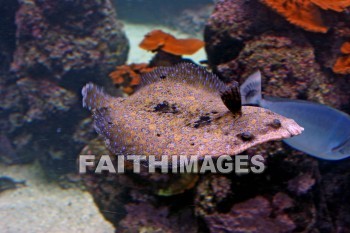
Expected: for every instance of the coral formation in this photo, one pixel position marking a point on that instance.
(51, 98)
(243, 36)
(125, 197)
(230, 24)
(273, 199)
(219, 198)
(230, 39)
(211, 194)
(334, 189)
(342, 64)
(184, 15)
(301, 184)
(8, 33)
(46, 61)
(306, 13)
(146, 218)
(332, 5)
(192, 20)
(279, 60)
(168, 49)
(159, 40)
(345, 48)
(178, 184)
(88, 39)
(128, 76)
(254, 215)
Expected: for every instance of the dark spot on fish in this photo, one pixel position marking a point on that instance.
(158, 134)
(203, 120)
(214, 112)
(275, 124)
(162, 77)
(165, 107)
(192, 144)
(110, 123)
(246, 136)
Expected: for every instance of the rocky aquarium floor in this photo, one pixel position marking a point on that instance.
(41, 206)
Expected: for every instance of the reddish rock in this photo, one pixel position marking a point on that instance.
(88, 37)
(242, 36)
(52, 49)
(254, 215)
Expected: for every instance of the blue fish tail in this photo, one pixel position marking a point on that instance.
(94, 97)
(251, 89)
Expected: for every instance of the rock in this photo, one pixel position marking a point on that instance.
(88, 38)
(52, 49)
(141, 201)
(146, 218)
(254, 215)
(191, 21)
(242, 36)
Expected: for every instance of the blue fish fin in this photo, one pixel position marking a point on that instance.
(343, 147)
(251, 89)
(94, 97)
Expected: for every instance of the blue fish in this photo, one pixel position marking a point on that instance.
(326, 132)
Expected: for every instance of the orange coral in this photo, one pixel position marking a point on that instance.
(345, 48)
(306, 13)
(128, 76)
(159, 40)
(335, 5)
(154, 40)
(342, 65)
